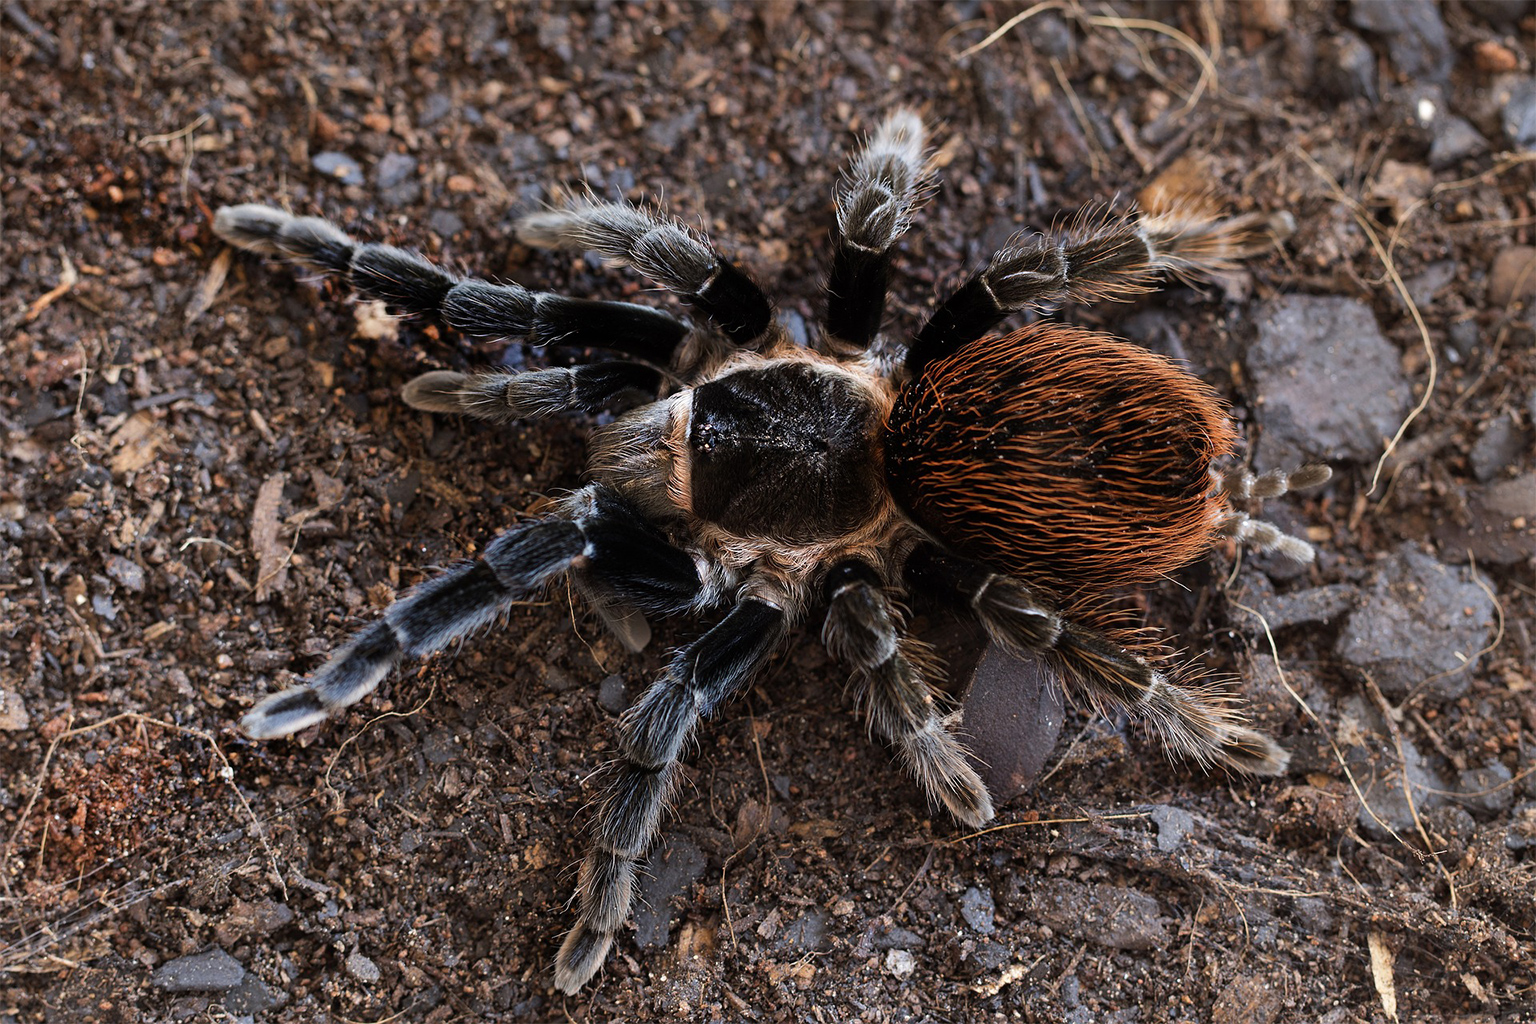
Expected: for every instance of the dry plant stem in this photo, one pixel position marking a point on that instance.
(1364, 220)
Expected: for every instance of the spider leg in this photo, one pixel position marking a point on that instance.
(862, 631)
(652, 734)
(1193, 722)
(1240, 484)
(413, 286)
(504, 397)
(876, 198)
(1101, 256)
(598, 536)
(662, 250)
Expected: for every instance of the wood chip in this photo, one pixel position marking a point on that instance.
(1382, 959)
(213, 282)
(136, 441)
(271, 556)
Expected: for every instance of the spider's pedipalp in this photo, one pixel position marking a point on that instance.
(884, 185)
(662, 250)
(862, 631)
(607, 543)
(413, 286)
(505, 397)
(653, 732)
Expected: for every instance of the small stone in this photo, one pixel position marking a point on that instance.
(1499, 447)
(612, 695)
(339, 166)
(1120, 918)
(1386, 806)
(1173, 824)
(1513, 275)
(1346, 68)
(461, 183)
(251, 997)
(212, 970)
(1416, 39)
(441, 746)
(1425, 285)
(900, 964)
(1519, 115)
(671, 868)
(1315, 604)
(1493, 57)
(1515, 499)
(1249, 999)
(126, 572)
(806, 933)
(13, 712)
(1454, 139)
(1421, 625)
(977, 908)
(445, 223)
(362, 968)
(1500, 13)
(1330, 387)
(1486, 791)
(393, 169)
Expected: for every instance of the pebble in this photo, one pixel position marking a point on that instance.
(126, 572)
(445, 223)
(1486, 791)
(212, 970)
(1315, 604)
(251, 997)
(806, 933)
(1423, 286)
(1420, 625)
(1385, 802)
(977, 908)
(362, 968)
(339, 166)
(1415, 36)
(393, 169)
(1514, 498)
(13, 712)
(1249, 999)
(671, 868)
(1346, 68)
(1454, 139)
(1010, 719)
(1519, 115)
(1513, 275)
(1173, 824)
(1110, 915)
(441, 746)
(1500, 13)
(900, 964)
(612, 695)
(1499, 447)
(1330, 386)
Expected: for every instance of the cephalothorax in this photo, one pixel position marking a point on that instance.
(1028, 471)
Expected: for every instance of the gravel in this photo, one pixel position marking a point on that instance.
(212, 970)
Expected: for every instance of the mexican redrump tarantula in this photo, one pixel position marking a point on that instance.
(1020, 474)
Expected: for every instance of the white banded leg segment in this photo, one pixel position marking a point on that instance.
(639, 785)
(862, 632)
(1239, 483)
(886, 183)
(506, 397)
(662, 250)
(413, 286)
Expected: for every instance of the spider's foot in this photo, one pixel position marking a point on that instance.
(581, 955)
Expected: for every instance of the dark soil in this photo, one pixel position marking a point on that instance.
(209, 483)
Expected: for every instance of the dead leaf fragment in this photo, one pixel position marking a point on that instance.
(1382, 959)
(213, 282)
(271, 556)
(136, 442)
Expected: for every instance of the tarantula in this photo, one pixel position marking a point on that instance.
(1027, 473)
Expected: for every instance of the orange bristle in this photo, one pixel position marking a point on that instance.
(1062, 456)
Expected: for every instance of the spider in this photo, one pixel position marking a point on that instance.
(1022, 475)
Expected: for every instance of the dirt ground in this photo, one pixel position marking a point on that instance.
(209, 481)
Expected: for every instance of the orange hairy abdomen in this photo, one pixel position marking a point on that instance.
(1062, 456)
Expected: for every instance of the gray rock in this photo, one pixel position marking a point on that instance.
(1519, 115)
(339, 166)
(1120, 918)
(126, 572)
(393, 169)
(612, 695)
(1498, 448)
(212, 970)
(1423, 286)
(1173, 824)
(671, 868)
(1346, 68)
(445, 223)
(1415, 36)
(251, 997)
(1486, 791)
(1501, 13)
(1454, 139)
(1420, 624)
(1315, 604)
(976, 907)
(362, 968)
(1010, 720)
(1386, 805)
(441, 746)
(1329, 385)
(1514, 498)
(806, 933)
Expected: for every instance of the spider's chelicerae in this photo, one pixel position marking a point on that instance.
(1026, 472)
